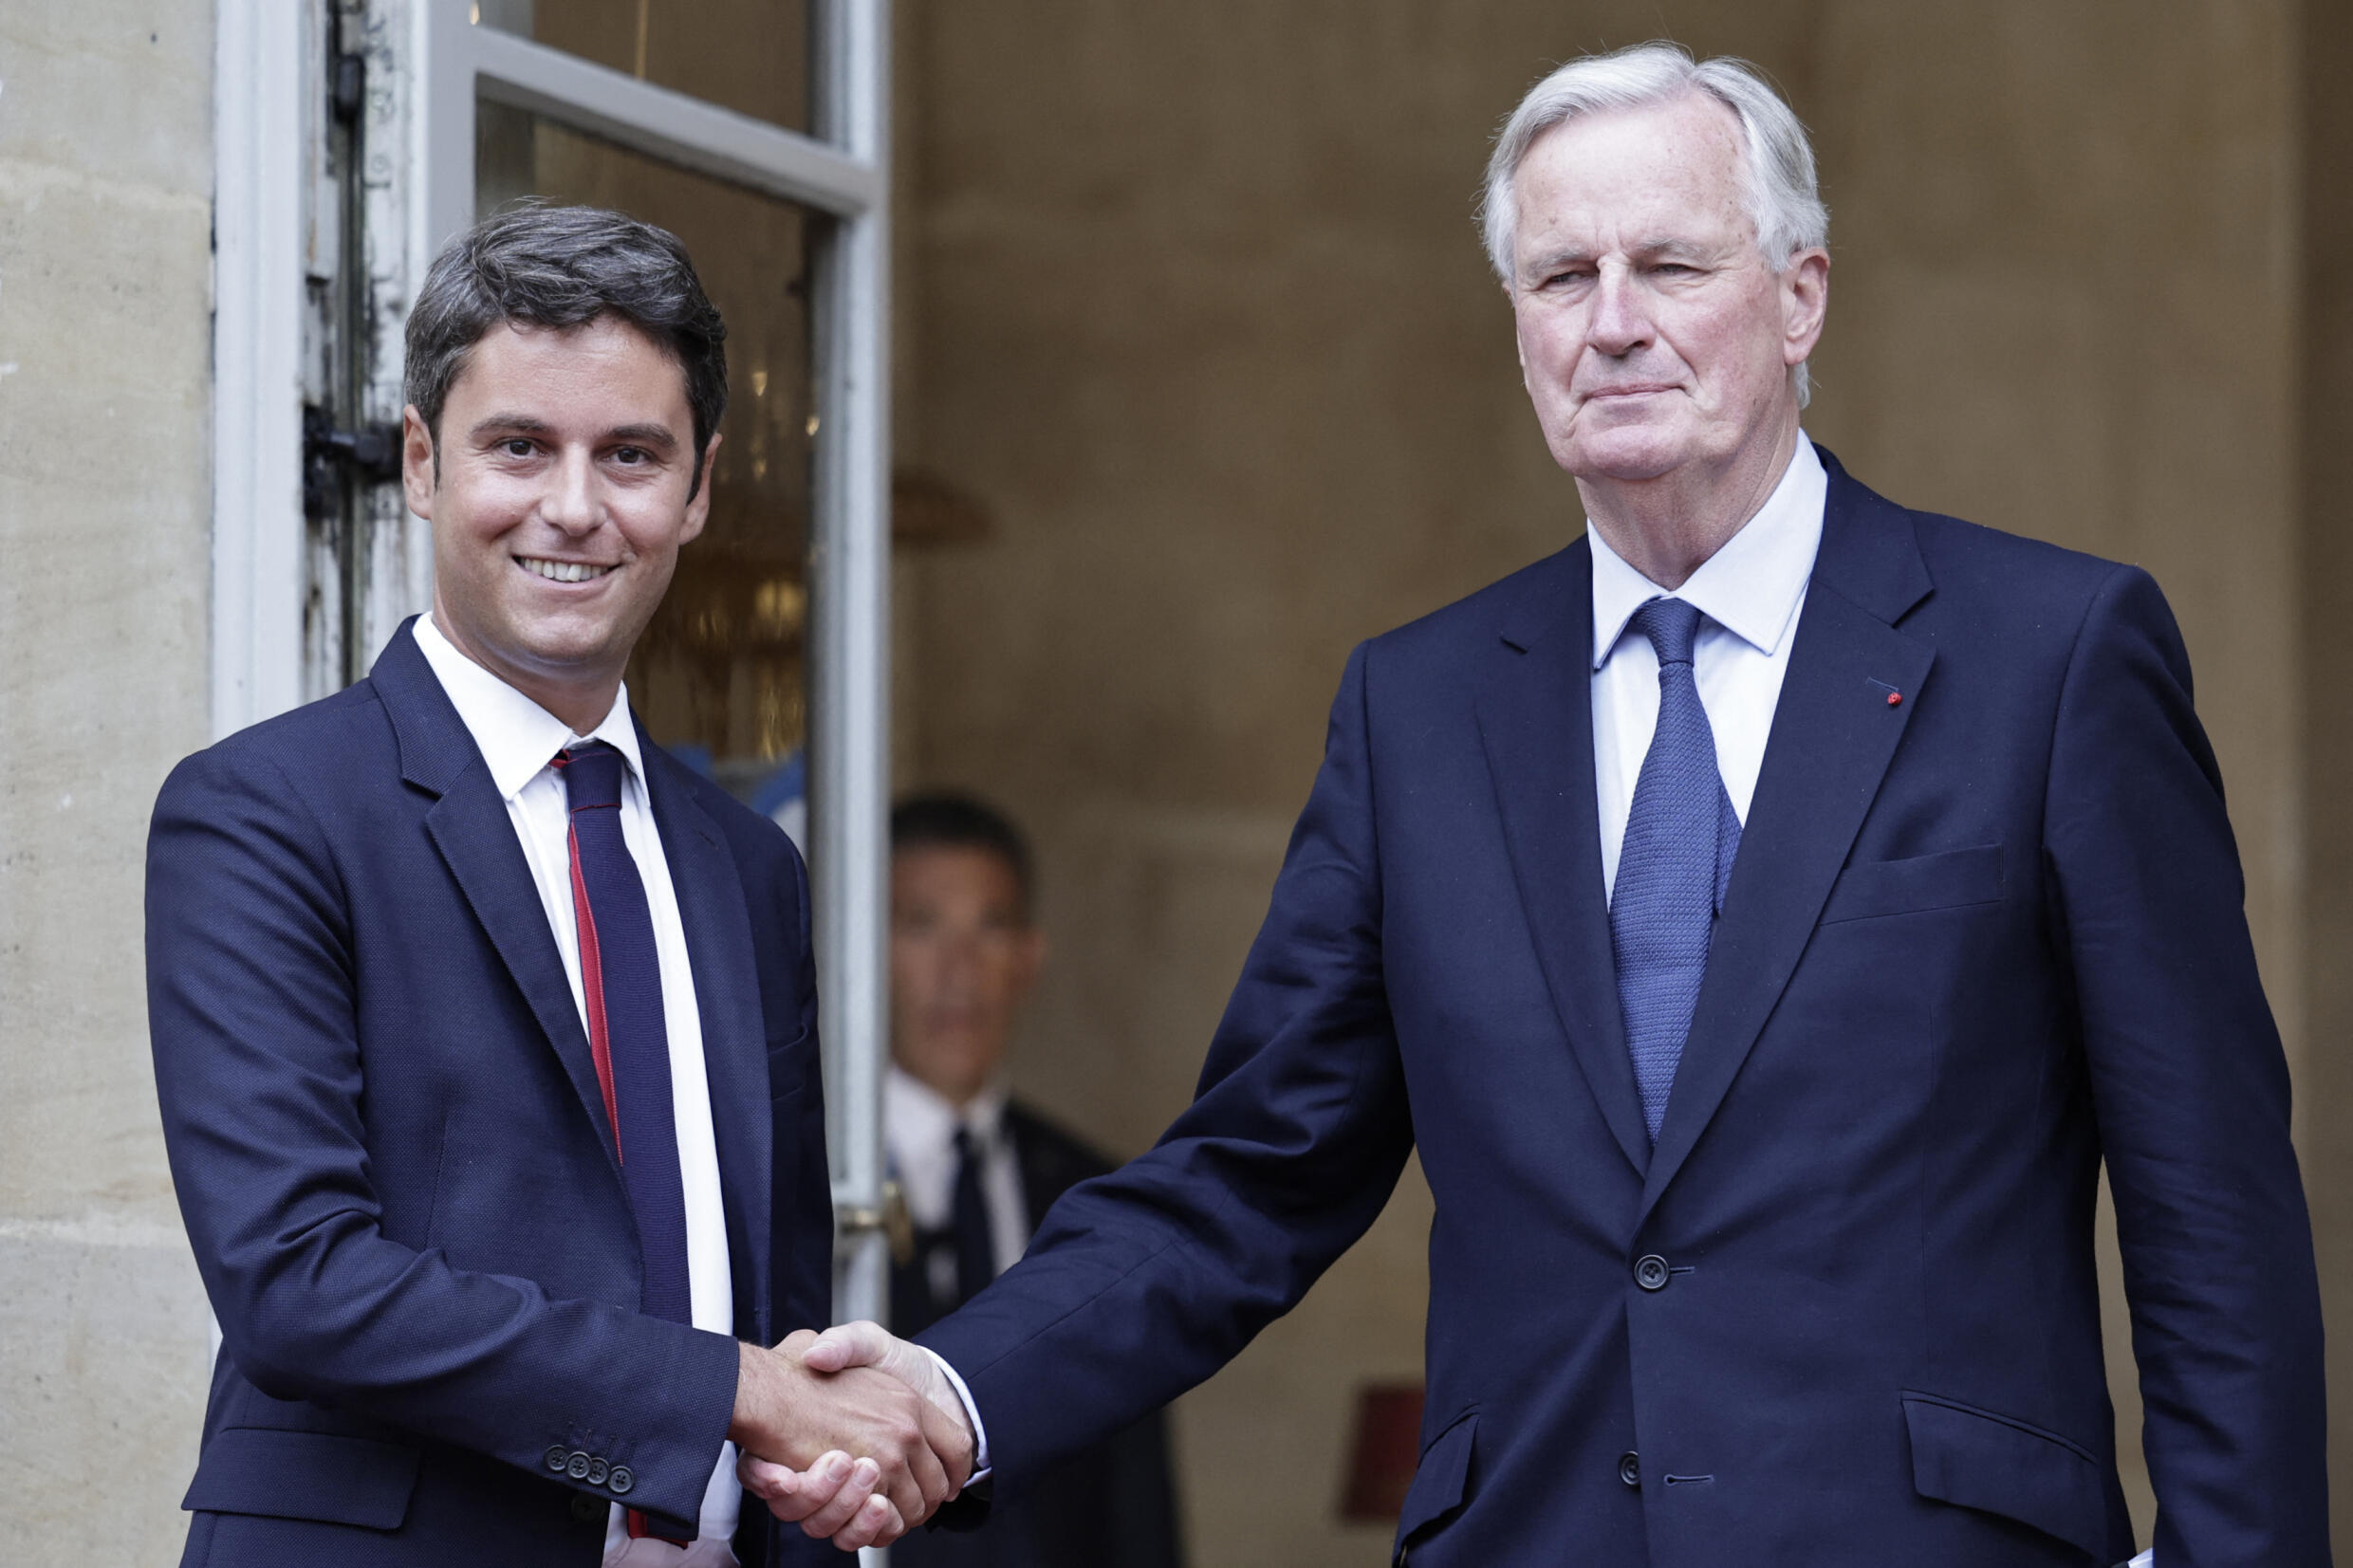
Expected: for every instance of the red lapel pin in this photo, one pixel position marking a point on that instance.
(1894, 699)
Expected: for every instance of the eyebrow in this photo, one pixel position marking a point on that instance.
(1650, 249)
(523, 422)
(643, 436)
(1681, 250)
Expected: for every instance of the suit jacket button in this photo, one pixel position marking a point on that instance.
(577, 1466)
(597, 1471)
(621, 1480)
(558, 1457)
(1630, 1469)
(589, 1510)
(1651, 1272)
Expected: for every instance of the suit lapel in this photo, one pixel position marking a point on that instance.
(468, 825)
(1833, 734)
(1535, 717)
(727, 992)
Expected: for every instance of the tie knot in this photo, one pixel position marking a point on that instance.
(592, 774)
(1672, 626)
(966, 1147)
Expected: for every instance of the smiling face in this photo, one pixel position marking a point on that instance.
(558, 505)
(1653, 333)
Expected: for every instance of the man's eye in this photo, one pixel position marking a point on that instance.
(630, 454)
(516, 447)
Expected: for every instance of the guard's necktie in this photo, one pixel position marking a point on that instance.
(621, 979)
(976, 1246)
(1681, 835)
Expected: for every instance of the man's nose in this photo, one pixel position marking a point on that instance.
(1621, 319)
(571, 502)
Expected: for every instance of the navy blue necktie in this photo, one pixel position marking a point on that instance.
(975, 1242)
(621, 976)
(1681, 835)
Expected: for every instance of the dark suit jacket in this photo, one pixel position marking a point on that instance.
(1977, 940)
(1110, 1504)
(390, 1148)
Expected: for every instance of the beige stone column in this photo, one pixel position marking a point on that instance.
(106, 349)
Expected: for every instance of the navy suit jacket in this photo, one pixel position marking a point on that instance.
(391, 1151)
(1977, 941)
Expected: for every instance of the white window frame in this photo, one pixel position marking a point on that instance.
(259, 205)
(267, 81)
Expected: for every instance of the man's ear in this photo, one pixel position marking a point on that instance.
(1805, 301)
(420, 465)
(698, 505)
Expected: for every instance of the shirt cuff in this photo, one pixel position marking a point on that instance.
(980, 1434)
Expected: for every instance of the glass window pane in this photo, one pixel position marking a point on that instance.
(752, 56)
(721, 669)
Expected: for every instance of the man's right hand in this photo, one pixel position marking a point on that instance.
(793, 1416)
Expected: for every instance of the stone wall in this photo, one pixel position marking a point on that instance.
(105, 355)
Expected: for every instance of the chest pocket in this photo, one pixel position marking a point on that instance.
(1953, 879)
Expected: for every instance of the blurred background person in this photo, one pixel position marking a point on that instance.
(979, 1168)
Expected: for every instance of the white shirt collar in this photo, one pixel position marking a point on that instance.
(919, 1115)
(516, 736)
(1752, 587)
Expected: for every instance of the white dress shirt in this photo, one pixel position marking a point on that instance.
(919, 1132)
(517, 739)
(1750, 592)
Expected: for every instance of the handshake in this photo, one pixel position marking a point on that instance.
(852, 1435)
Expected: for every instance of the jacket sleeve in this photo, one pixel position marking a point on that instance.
(2191, 1090)
(1142, 1282)
(804, 1235)
(252, 979)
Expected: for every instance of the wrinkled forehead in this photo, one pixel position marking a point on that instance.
(1672, 171)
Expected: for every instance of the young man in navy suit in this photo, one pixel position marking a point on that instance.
(485, 1033)
(1765, 916)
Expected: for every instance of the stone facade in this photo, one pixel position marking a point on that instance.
(106, 393)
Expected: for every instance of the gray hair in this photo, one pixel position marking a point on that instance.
(562, 268)
(1783, 202)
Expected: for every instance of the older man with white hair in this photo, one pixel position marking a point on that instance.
(1766, 916)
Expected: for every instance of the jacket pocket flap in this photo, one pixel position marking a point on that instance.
(1980, 1460)
(1441, 1477)
(1948, 880)
(304, 1475)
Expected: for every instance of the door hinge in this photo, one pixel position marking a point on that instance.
(369, 455)
(347, 86)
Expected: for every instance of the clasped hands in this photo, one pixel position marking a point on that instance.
(852, 1435)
